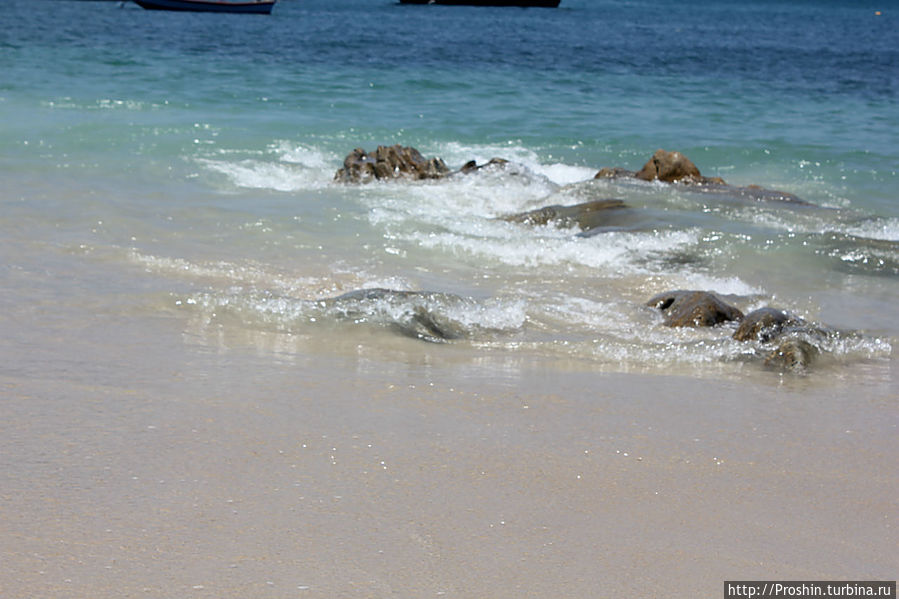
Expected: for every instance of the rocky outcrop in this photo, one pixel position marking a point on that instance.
(693, 308)
(671, 167)
(401, 162)
(389, 162)
(674, 167)
(666, 166)
(781, 341)
(587, 215)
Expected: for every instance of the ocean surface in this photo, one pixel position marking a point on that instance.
(177, 169)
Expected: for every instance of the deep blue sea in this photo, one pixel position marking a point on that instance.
(179, 166)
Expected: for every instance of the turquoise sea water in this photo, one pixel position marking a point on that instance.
(179, 166)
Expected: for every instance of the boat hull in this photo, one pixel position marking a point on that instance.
(522, 3)
(263, 7)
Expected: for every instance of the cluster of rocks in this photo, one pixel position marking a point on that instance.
(389, 162)
(399, 162)
(785, 335)
(785, 342)
(404, 162)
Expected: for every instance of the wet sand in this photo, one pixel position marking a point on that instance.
(139, 458)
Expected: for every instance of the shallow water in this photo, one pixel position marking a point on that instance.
(200, 150)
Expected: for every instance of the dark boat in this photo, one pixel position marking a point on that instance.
(256, 7)
(540, 3)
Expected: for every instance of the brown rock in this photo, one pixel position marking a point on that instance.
(674, 167)
(389, 162)
(668, 167)
(764, 324)
(693, 308)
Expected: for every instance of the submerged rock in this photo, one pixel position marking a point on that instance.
(389, 162)
(856, 253)
(411, 313)
(792, 354)
(587, 215)
(693, 308)
(753, 192)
